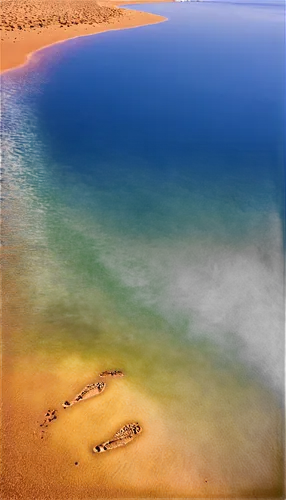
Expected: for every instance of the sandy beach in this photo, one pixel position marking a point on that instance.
(36, 24)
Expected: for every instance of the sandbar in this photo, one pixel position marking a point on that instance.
(36, 24)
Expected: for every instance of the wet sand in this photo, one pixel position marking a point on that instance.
(208, 435)
(208, 432)
(36, 24)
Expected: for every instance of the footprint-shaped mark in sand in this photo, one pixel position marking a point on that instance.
(50, 416)
(112, 373)
(89, 391)
(122, 437)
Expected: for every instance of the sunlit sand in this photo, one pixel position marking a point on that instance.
(182, 405)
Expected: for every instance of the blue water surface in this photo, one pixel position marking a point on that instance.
(170, 129)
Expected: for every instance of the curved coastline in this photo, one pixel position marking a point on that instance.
(31, 43)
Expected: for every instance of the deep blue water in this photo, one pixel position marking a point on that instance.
(172, 128)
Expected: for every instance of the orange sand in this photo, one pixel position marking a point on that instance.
(49, 26)
(173, 457)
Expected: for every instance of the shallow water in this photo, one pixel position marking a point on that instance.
(144, 173)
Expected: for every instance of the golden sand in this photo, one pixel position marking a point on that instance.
(210, 444)
(184, 459)
(29, 26)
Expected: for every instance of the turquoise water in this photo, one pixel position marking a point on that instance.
(144, 173)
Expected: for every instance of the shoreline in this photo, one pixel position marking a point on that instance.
(16, 54)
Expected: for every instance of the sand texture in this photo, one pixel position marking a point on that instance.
(34, 14)
(34, 24)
